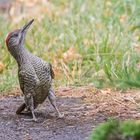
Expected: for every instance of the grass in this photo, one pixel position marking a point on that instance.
(105, 34)
(116, 130)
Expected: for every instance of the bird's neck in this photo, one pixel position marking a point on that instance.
(21, 55)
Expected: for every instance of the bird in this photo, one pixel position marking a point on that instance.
(34, 74)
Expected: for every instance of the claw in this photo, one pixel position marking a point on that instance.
(60, 116)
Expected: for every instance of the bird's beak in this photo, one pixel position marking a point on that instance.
(26, 26)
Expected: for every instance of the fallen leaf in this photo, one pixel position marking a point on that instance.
(123, 18)
(71, 54)
(106, 91)
(2, 66)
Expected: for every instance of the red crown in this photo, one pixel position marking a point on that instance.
(8, 36)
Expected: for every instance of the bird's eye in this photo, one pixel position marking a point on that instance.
(15, 35)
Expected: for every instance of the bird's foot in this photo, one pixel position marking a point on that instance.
(35, 119)
(31, 120)
(60, 116)
(28, 112)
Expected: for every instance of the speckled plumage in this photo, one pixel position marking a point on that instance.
(35, 75)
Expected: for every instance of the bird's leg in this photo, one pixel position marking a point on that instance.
(52, 99)
(30, 104)
(33, 114)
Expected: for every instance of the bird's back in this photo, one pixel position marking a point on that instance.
(42, 69)
(43, 72)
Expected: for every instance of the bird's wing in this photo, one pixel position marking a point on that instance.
(52, 72)
(21, 81)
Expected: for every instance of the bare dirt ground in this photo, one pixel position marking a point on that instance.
(84, 108)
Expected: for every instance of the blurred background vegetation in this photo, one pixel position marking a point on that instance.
(116, 130)
(87, 41)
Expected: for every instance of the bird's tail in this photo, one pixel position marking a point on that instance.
(21, 108)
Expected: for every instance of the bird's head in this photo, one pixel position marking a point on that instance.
(16, 38)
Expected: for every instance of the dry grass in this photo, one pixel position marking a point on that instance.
(116, 104)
